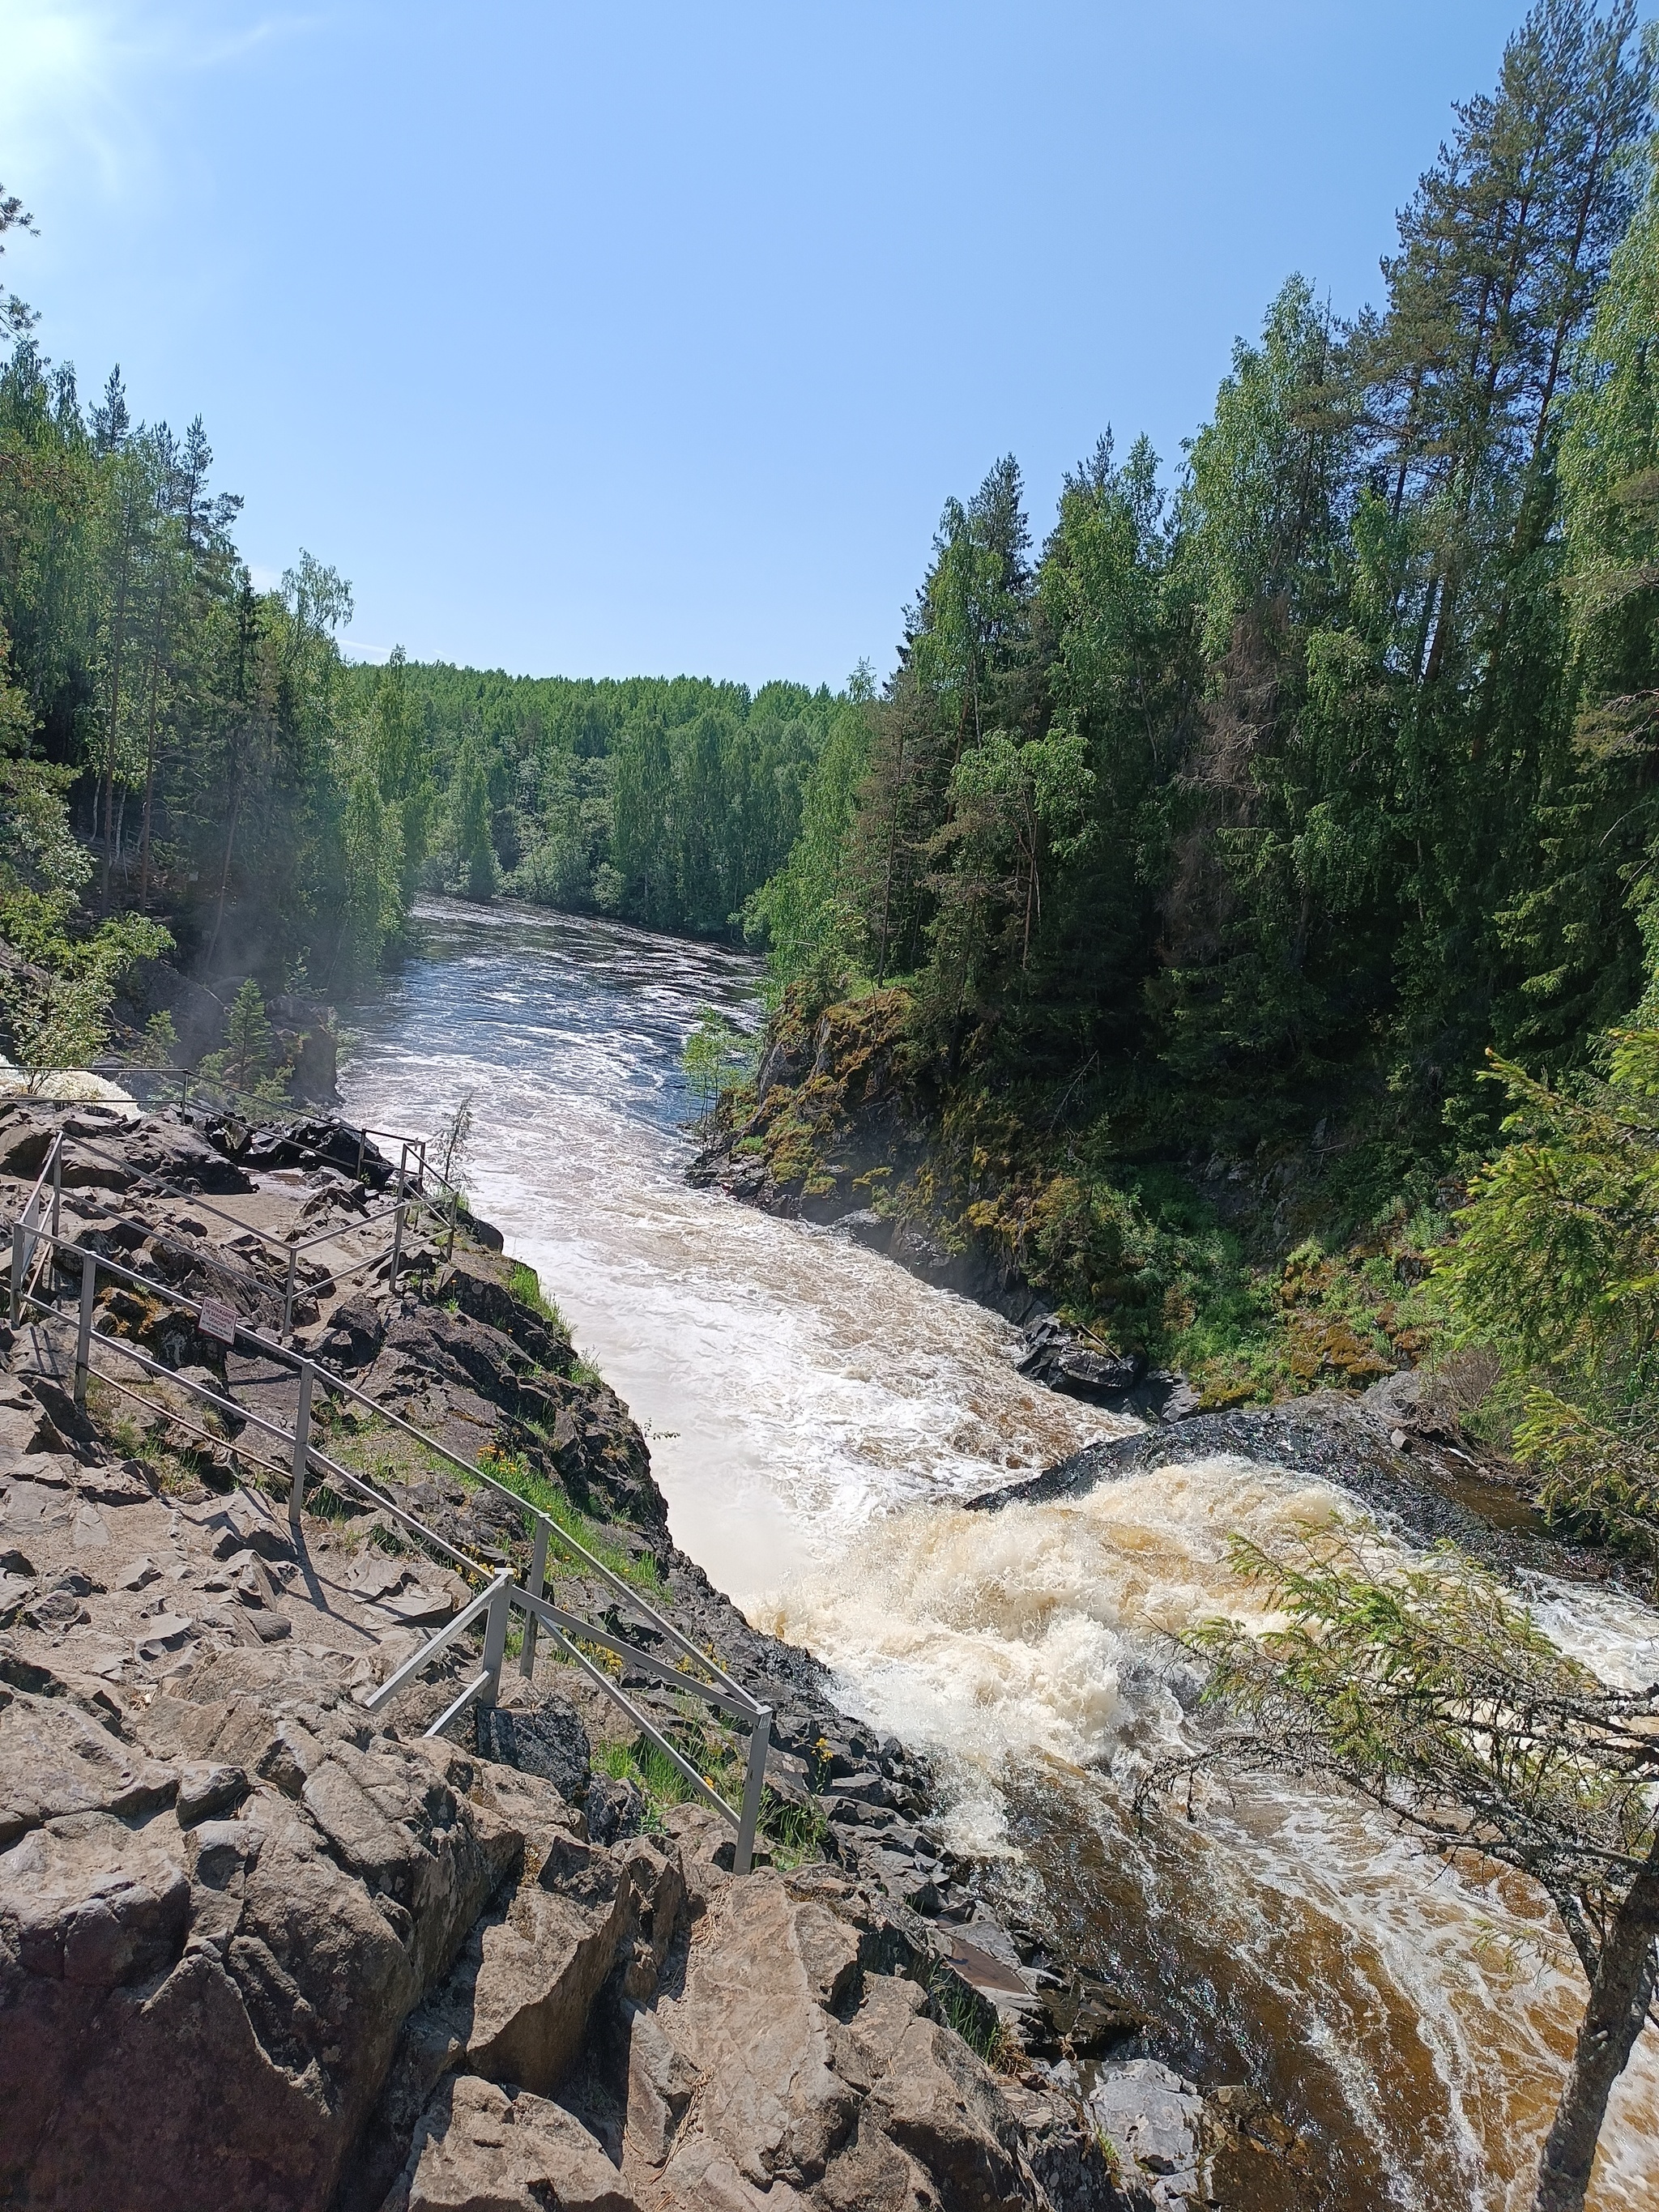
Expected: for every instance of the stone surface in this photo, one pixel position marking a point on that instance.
(260, 1948)
(56, 1761)
(615, 1809)
(542, 1965)
(215, 2000)
(548, 1740)
(481, 2148)
(1154, 2118)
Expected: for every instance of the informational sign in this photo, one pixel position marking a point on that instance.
(218, 1321)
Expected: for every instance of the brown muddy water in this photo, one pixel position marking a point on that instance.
(815, 1416)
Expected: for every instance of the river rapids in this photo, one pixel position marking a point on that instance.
(815, 1416)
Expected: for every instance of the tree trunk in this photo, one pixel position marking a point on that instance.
(1618, 2000)
(149, 756)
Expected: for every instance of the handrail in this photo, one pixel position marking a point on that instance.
(338, 1384)
(430, 1651)
(502, 1595)
(291, 1248)
(498, 1601)
(27, 1234)
(284, 1244)
(562, 1536)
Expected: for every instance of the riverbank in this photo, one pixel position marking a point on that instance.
(556, 1807)
(817, 1418)
(1145, 1282)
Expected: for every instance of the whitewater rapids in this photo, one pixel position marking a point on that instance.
(815, 1416)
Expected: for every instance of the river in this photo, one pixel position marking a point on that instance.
(815, 1415)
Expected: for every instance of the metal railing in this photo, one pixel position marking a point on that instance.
(25, 1234)
(401, 1212)
(496, 1603)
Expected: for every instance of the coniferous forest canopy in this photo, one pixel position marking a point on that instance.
(1228, 826)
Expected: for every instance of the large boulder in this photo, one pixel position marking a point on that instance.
(208, 2006)
(541, 1967)
(483, 2148)
(548, 1739)
(760, 2062)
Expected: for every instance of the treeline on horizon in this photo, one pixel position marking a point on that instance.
(189, 765)
(182, 753)
(664, 801)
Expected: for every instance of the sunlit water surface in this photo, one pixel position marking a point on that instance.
(815, 1418)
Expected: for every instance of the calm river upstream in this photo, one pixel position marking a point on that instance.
(814, 1413)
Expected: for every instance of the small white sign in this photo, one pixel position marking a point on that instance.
(218, 1319)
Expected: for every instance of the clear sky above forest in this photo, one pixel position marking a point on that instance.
(647, 338)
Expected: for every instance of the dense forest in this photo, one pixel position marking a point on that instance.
(1191, 863)
(664, 801)
(1185, 869)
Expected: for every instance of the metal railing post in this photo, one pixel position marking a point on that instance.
(19, 1241)
(84, 1340)
(538, 1586)
(362, 1139)
(760, 1736)
(287, 1295)
(494, 1642)
(296, 1496)
(57, 1180)
(397, 1248)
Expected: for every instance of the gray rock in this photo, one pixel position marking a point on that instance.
(207, 1791)
(247, 1524)
(483, 2148)
(1153, 2118)
(543, 1964)
(615, 1809)
(55, 1761)
(549, 1741)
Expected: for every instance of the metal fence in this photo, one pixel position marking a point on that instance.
(413, 1197)
(494, 1604)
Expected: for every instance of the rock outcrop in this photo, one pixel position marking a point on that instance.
(770, 2045)
(259, 1949)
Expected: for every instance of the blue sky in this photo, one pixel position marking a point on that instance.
(644, 338)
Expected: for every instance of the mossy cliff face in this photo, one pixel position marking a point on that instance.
(1242, 1272)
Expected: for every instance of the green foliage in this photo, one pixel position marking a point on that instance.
(1215, 842)
(514, 1473)
(1556, 1267)
(171, 741)
(1430, 1690)
(57, 1001)
(668, 802)
(526, 1285)
(248, 1037)
(718, 1057)
(161, 1041)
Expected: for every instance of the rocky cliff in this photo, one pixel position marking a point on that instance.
(260, 1948)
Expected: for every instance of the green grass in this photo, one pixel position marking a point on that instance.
(794, 1834)
(975, 2018)
(374, 1450)
(511, 1472)
(525, 1284)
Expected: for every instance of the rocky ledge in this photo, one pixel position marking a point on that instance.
(255, 1950)
(259, 1949)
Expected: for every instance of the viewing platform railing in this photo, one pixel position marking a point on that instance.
(34, 1246)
